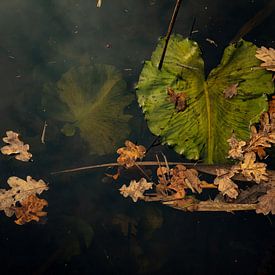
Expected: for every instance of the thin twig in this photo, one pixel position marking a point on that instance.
(44, 132)
(170, 28)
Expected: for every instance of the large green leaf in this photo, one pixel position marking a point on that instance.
(92, 99)
(201, 130)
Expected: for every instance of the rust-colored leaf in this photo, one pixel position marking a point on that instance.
(16, 146)
(130, 153)
(179, 99)
(268, 56)
(31, 210)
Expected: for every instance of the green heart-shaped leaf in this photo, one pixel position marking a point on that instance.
(201, 130)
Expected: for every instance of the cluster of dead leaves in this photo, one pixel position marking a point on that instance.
(174, 182)
(21, 199)
(16, 147)
(130, 153)
(248, 166)
(268, 56)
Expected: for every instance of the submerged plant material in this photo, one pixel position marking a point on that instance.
(91, 99)
(268, 56)
(16, 147)
(22, 192)
(201, 130)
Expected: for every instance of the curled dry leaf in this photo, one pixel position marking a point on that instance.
(268, 56)
(253, 171)
(186, 177)
(31, 210)
(136, 189)
(176, 180)
(20, 190)
(179, 99)
(225, 184)
(236, 147)
(130, 153)
(16, 146)
(231, 91)
(267, 203)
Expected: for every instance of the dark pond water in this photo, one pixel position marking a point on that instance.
(91, 228)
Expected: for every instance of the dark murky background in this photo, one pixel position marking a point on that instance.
(90, 228)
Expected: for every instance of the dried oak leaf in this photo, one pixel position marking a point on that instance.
(231, 91)
(179, 99)
(236, 147)
(260, 140)
(130, 153)
(16, 146)
(136, 189)
(253, 171)
(267, 203)
(268, 56)
(225, 184)
(31, 210)
(20, 190)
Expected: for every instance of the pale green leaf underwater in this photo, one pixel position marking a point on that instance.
(92, 99)
(202, 129)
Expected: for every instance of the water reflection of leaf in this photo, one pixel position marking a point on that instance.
(91, 99)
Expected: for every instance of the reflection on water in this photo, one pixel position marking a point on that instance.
(90, 227)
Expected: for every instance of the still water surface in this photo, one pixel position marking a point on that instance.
(90, 228)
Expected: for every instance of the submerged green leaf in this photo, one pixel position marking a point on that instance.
(202, 129)
(92, 99)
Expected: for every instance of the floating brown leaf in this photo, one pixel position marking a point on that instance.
(136, 189)
(20, 190)
(225, 184)
(179, 99)
(188, 177)
(31, 210)
(268, 56)
(130, 153)
(267, 203)
(231, 91)
(16, 146)
(253, 171)
(236, 147)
